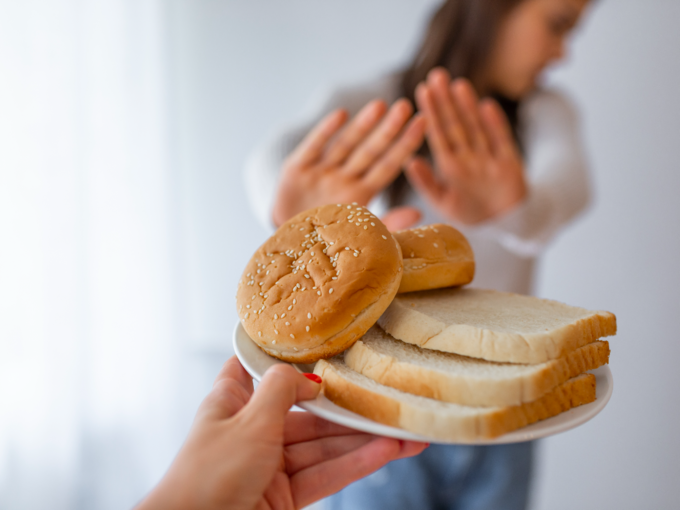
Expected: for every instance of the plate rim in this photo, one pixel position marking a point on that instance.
(326, 409)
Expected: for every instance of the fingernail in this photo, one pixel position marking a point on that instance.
(313, 377)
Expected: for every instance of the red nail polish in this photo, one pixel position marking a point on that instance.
(313, 377)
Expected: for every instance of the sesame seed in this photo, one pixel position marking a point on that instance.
(266, 296)
(276, 316)
(331, 243)
(252, 297)
(314, 288)
(260, 293)
(306, 235)
(306, 276)
(283, 315)
(294, 348)
(292, 336)
(294, 301)
(318, 292)
(334, 264)
(287, 323)
(248, 274)
(356, 254)
(372, 224)
(309, 315)
(346, 247)
(267, 271)
(437, 231)
(261, 284)
(354, 203)
(290, 307)
(274, 341)
(247, 306)
(420, 235)
(365, 227)
(330, 291)
(258, 271)
(277, 332)
(413, 254)
(312, 254)
(259, 333)
(302, 228)
(247, 314)
(384, 237)
(349, 207)
(339, 205)
(307, 328)
(436, 245)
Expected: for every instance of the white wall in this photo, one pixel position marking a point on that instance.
(242, 67)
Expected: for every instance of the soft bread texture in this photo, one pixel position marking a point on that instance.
(319, 283)
(463, 380)
(491, 325)
(435, 256)
(442, 420)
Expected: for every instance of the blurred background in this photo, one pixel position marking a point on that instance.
(124, 127)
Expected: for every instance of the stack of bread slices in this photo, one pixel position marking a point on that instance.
(463, 365)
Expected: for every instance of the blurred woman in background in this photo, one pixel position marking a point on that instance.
(507, 170)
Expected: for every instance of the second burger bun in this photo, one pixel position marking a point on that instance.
(319, 283)
(435, 256)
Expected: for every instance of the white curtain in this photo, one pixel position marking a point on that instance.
(92, 401)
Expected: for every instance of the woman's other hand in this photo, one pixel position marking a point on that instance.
(480, 171)
(348, 163)
(248, 451)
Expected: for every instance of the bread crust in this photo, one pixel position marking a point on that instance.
(435, 256)
(417, 318)
(315, 286)
(473, 388)
(449, 422)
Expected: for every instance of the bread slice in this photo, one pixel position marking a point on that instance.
(444, 421)
(491, 325)
(463, 380)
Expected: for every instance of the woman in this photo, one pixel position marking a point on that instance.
(508, 171)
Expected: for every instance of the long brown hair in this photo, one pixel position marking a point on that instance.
(460, 37)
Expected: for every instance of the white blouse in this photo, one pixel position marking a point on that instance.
(505, 247)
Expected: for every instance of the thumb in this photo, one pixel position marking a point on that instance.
(281, 387)
(399, 218)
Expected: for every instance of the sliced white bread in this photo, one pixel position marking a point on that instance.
(442, 420)
(461, 379)
(492, 325)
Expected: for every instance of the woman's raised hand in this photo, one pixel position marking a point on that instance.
(480, 172)
(340, 161)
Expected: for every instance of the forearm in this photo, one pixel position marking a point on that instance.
(548, 206)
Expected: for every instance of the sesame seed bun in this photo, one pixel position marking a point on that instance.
(319, 283)
(435, 256)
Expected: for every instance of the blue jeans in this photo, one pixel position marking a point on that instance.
(446, 477)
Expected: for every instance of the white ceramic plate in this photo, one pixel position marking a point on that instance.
(256, 362)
